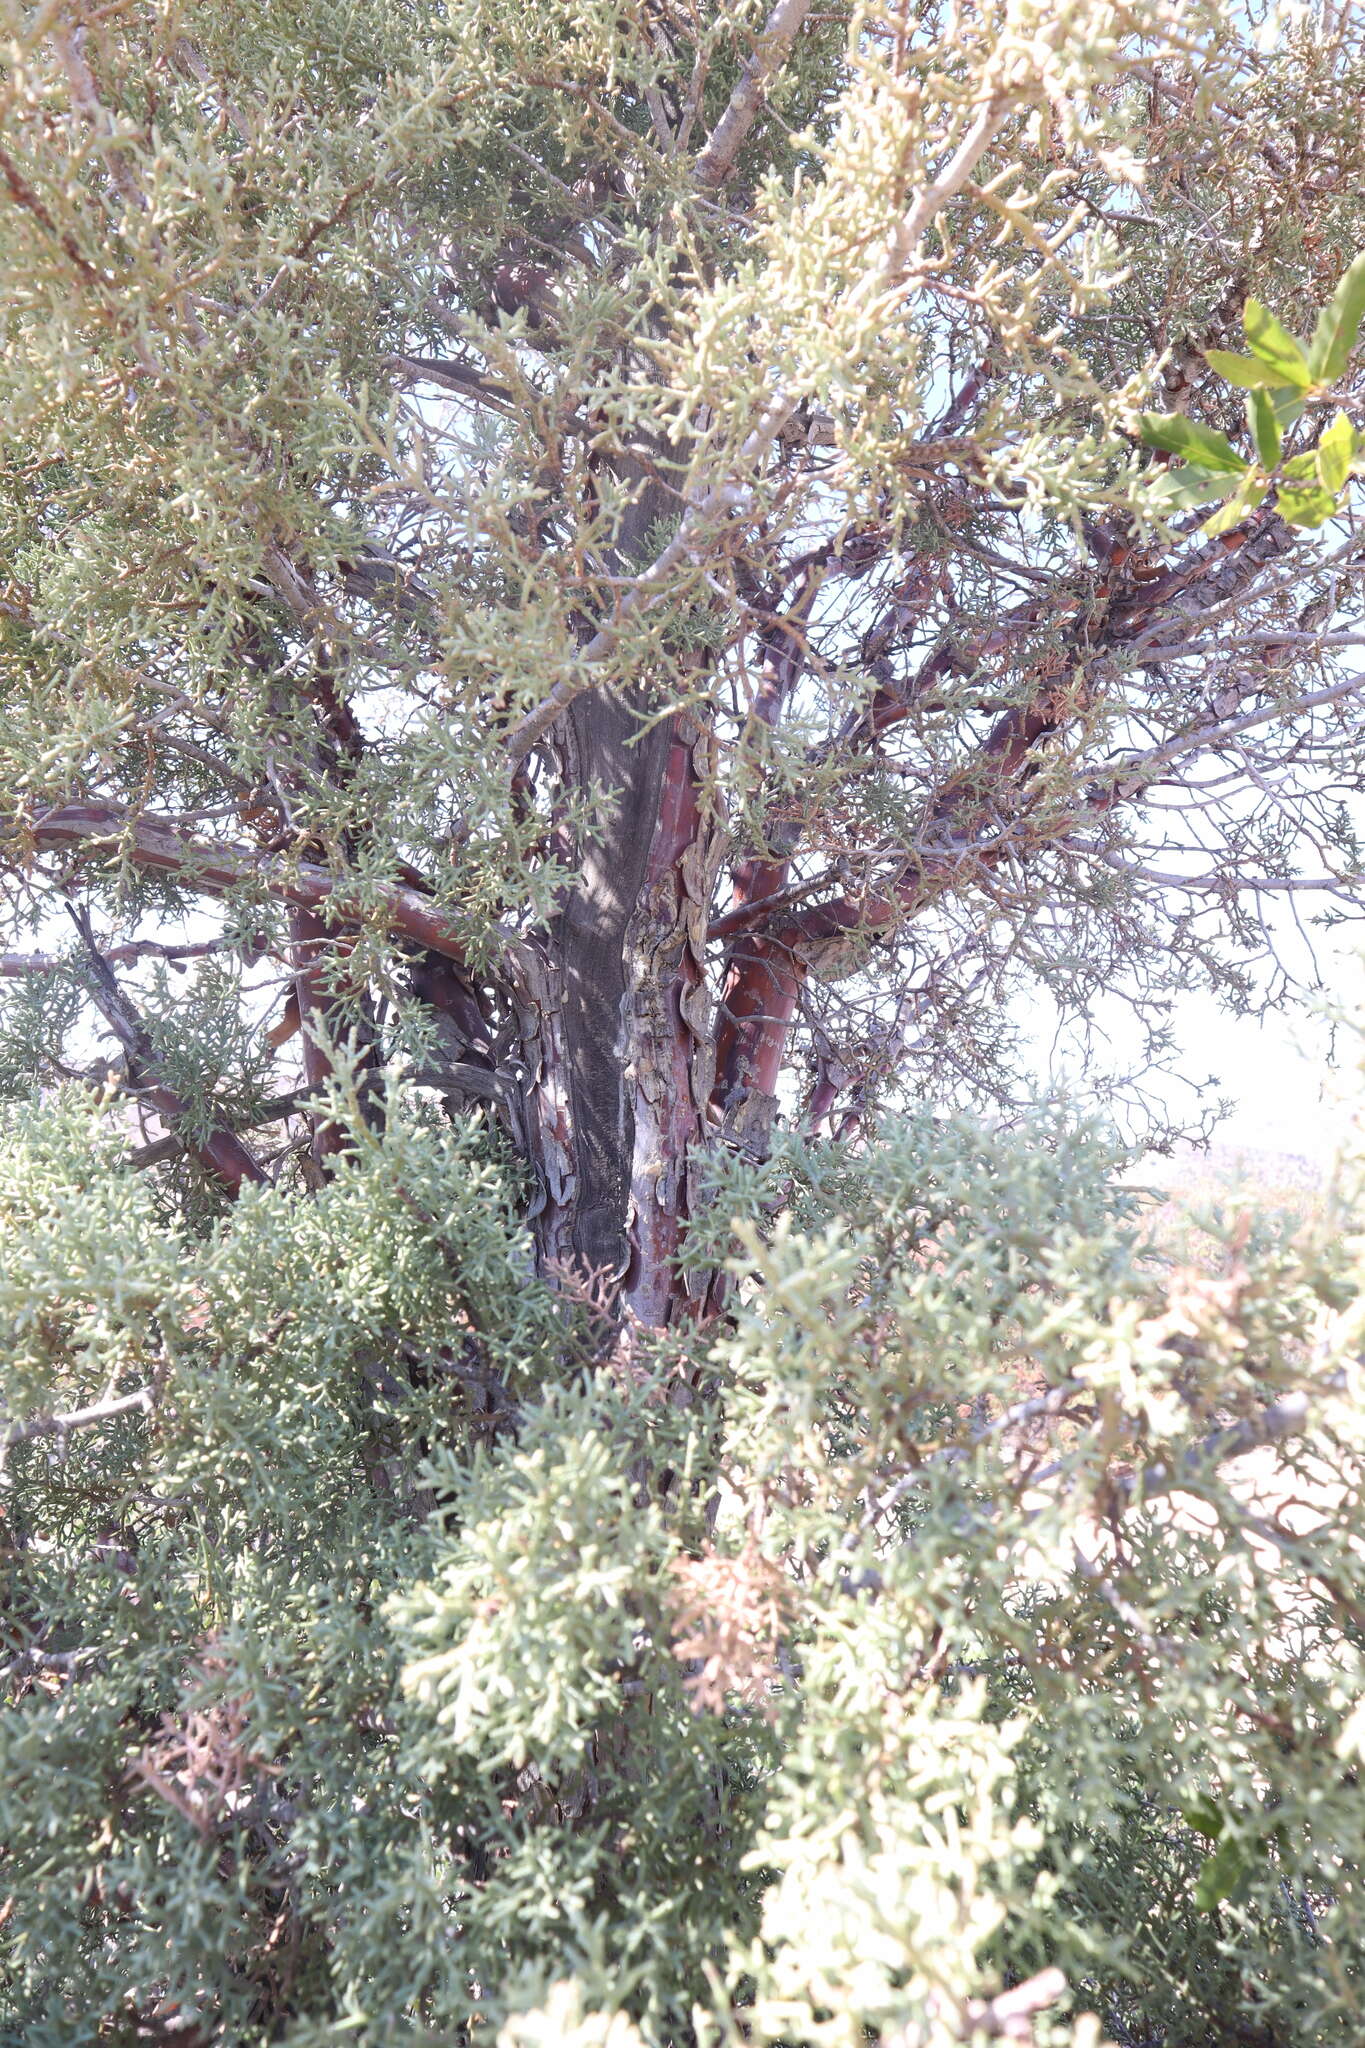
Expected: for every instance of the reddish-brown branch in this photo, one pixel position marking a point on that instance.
(1005, 756)
(764, 972)
(771, 953)
(757, 1009)
(1216, 571)
(458, 1007)
(220, 1152)
(160, 846)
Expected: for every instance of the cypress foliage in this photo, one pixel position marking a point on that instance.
(590, 599)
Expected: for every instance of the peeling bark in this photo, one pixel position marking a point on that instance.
(669, 1055)
(603, 740)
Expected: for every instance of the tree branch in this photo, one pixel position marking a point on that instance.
(715, 160)
(452, 377)
(13, 966)
(729, 496)
(1283, 1418)
(141, 1400)
(160, 846)
(173, 1145)
(221, 1153)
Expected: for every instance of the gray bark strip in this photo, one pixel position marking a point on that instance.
(590, 939)
(716, 159)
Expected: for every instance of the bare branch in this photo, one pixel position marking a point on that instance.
(13, 966)
(716, 159)
(141, 1400)
(60, 1663)
(161, 846)
(1209, 737)
(221, 1153)
(457, 377)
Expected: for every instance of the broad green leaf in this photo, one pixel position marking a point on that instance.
(1335, 451)
(1248, 373)
(1179, 436)
(1302, 468)
(1338, 325)
(1305, 505)
(1265, 428)
(1288, 408)
(1247, 499)
(1220, 1874)
(1276, 348)
(1183, 489)
(1204, 1816)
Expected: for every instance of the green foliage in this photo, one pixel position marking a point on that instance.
(1279, 376)
(399, 1641)
(754, 1676)
(1338, 325)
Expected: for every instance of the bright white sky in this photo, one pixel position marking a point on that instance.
(1278, 1069)
(1294, 1083)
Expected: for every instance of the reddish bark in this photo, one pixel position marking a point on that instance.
(221, 1154)
(667, 1024)
(160, 846)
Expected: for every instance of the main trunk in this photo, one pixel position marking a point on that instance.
(623, 1058)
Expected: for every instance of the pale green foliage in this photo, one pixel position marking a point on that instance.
(464, 1767)
(395, 1648)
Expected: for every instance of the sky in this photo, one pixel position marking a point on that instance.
(1293, 1079)
(1279, 1070)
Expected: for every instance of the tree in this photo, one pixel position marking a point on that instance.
(588, 594)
